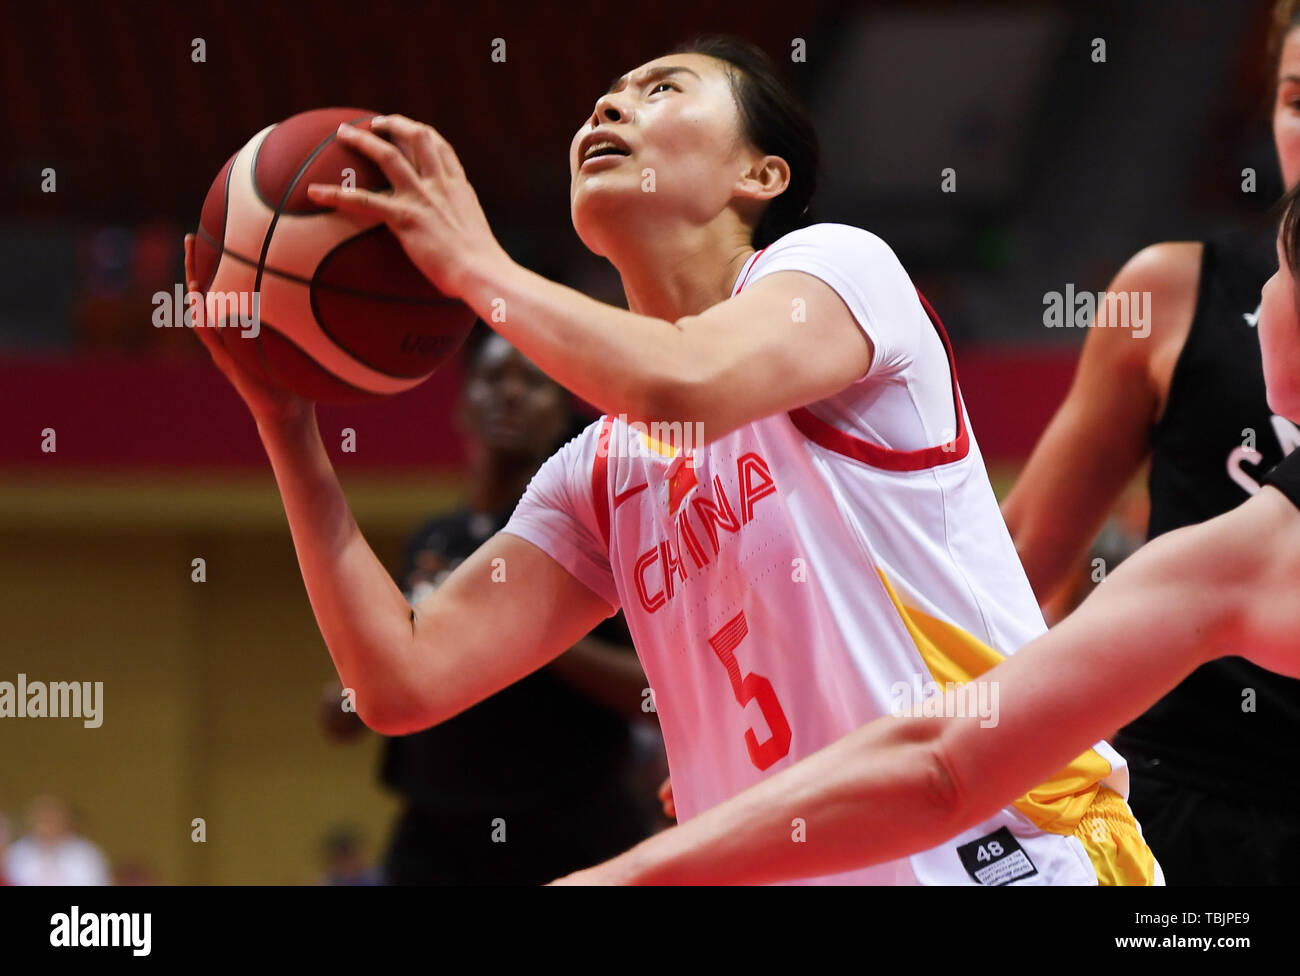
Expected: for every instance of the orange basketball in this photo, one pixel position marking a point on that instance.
(321, 303)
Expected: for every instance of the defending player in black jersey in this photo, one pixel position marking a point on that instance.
(1190, 397)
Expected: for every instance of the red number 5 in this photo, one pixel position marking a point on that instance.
(752, 687)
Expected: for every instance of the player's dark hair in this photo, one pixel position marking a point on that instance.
(1286, 17)
(775, 122)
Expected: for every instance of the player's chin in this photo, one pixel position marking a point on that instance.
(605, 202)
(605, 189)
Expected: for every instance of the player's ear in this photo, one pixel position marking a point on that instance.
(764, 178)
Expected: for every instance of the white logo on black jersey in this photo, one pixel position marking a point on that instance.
(1288, 438)
(1252, 318)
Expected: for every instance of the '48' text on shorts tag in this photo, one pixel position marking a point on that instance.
(996, 859)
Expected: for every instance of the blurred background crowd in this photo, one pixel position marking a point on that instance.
(216, 726)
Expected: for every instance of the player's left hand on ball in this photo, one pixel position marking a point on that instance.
(266, 402)
(431, 208)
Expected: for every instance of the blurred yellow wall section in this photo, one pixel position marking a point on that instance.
(211, 690)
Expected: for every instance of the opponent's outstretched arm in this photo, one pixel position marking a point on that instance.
(1227, 586)
(902, 785)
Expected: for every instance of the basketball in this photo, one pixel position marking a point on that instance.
(319, 302)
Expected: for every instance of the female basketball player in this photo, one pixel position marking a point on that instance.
(1228, 586)
(1189, 396)
(830, 539)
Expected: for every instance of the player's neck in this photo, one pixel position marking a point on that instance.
(672, 275)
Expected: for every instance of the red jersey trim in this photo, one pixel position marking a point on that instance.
(600, 479)
(752, 261)
(833, 439)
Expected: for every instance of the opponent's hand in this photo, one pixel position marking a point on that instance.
(268, 403)
(431, 207)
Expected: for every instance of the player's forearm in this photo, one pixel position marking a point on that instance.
(614, 359)
(1201, 592)
(875, 795)
(1153, 621)
(902, 785)
(362, 615)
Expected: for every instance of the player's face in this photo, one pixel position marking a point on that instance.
(1279, 341)
(1286, 109)
(683, 149)
(511, 406)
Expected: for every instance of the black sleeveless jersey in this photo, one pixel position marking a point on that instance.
(1286, 479)
(1230, 727)
(536, 742)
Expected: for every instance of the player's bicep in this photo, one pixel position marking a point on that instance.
(500, 615)
(787, 340)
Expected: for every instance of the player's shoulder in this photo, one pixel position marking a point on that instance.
(857, 263)
(1167, 265)
(843, 240)
(1170, 273)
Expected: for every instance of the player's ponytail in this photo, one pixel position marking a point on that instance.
(775, 122)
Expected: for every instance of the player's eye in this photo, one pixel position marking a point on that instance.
(663, 84)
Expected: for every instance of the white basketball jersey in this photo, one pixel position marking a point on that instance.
(812, 571)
